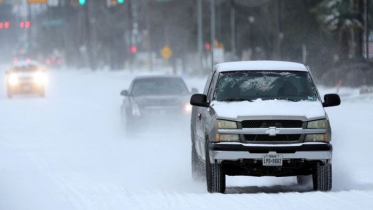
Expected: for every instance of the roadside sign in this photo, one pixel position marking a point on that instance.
(166, 52)
(37, 1)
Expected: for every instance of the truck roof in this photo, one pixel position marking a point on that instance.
(260, 65)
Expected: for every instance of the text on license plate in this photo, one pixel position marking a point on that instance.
(272, 160)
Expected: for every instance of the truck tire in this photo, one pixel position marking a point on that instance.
(322, 177)
(215, 177)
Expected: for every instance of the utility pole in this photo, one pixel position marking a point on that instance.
(90, 36)
(148, 26)
(233, 30)
(66, 18)
(280, 35)
(212, 7)
(130, 32)
(200, 28)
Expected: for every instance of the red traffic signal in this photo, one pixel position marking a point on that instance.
(133, 49)
(207, 46)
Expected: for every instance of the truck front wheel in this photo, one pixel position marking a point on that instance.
(322, 177)
(215, 176)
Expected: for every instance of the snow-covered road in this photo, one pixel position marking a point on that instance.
(67, 151)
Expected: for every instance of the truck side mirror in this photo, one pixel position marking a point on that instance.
(331, 100)
(199, 100)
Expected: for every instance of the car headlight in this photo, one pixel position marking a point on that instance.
(317, 124)
(225, 124)
(13, 79)
(227, 138)
(317, 138)
(40, 78)
(188, 108)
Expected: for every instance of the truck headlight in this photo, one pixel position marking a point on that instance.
(13, 79)
(225, 124)
(317, 138)
(317, 124)
(227, 138)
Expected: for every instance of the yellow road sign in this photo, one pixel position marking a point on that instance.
(166, 52)
(37, 1)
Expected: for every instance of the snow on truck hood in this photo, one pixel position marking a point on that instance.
(259, 108)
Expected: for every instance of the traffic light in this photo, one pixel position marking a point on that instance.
(133, 49)
(82, 2)
(120, 1)
(207, 46)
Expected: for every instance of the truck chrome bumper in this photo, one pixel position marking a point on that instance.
(233, 152)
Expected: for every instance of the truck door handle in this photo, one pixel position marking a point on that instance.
(199, 116)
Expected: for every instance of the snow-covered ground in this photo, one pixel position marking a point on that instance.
(67, 151)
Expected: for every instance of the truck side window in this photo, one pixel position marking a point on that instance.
(208, 83)
(212, 86)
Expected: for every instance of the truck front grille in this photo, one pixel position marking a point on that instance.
(267, 138)
(272, 123)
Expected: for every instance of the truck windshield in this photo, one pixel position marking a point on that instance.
(265, 85)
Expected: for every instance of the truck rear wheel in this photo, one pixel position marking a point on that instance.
(322, 177)
(215, 176)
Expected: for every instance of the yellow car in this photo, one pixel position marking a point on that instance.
(26, 78)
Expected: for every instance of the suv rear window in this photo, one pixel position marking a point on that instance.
(265, 85)
(159, 86)
(28, 68)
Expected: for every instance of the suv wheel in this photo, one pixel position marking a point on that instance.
(322, 177)
(215, 176)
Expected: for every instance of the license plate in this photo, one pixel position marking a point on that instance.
(272, 160)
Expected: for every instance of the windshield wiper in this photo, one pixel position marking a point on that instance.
(236, 99)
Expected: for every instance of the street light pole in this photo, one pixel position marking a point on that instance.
(148, 26)
(233, 29)
(366, 29)
(212, 7)
(200, 28)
